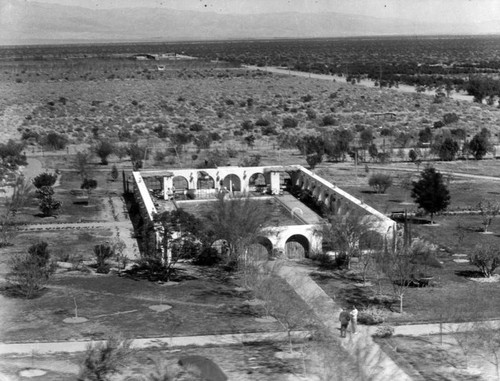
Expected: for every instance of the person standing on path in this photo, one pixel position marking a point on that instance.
(344, 322)
(354, 320)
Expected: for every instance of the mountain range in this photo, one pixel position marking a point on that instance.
(23, 22)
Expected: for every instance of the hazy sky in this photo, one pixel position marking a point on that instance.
(416, 10)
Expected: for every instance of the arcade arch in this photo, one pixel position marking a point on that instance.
(232, 182)
(297, 247)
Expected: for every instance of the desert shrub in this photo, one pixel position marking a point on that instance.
(214, 136)
(252, 161)
(196, 127)
(311, 114)
(102, 253)
(450, 118)
(55, 141)
(268, 130)
(262, 122)
(247, 125)
(44, 179)
(380, 182)
(386, 132)
(307, 98)
(29, 134)
(438, 124)
(486, 258)
(290, 122)
(232, 152)
(329, 120)
(102, 360)
(216, 158)
(30, 272)
(371, 316)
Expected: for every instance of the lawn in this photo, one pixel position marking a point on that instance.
(439, 357)
(206, 301)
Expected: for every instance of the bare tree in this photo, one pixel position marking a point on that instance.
(344, 232)
(488, 210)
(82, 165)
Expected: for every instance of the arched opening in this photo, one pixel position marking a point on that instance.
(297, 247)
(257, 183)
(180, 183)
(261, 249)
(205, 181)
(232, 183)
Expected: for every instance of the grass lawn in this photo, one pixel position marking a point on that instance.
(452, 296)
(205, 302)
(438, 357)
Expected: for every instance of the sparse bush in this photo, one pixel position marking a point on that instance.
(261, 122)
(247, 125)
(102, 360)
(30, 272)
(486, 258)
(311, 114)
(290, 122)
(102, 253)
(329, 120)
(371, 316)
(252, 161)
(196, 127)
(380, 182)
(450, 118)
(384, 331)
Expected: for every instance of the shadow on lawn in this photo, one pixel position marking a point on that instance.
(469, 273)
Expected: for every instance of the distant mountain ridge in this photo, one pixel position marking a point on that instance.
(23, 22)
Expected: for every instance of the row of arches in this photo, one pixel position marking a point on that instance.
(296, 247)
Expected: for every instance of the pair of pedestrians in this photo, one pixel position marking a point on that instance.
(346, 317)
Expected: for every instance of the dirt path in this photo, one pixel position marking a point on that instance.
(364, 82)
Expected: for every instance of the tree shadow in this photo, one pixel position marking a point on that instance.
(469, 273)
